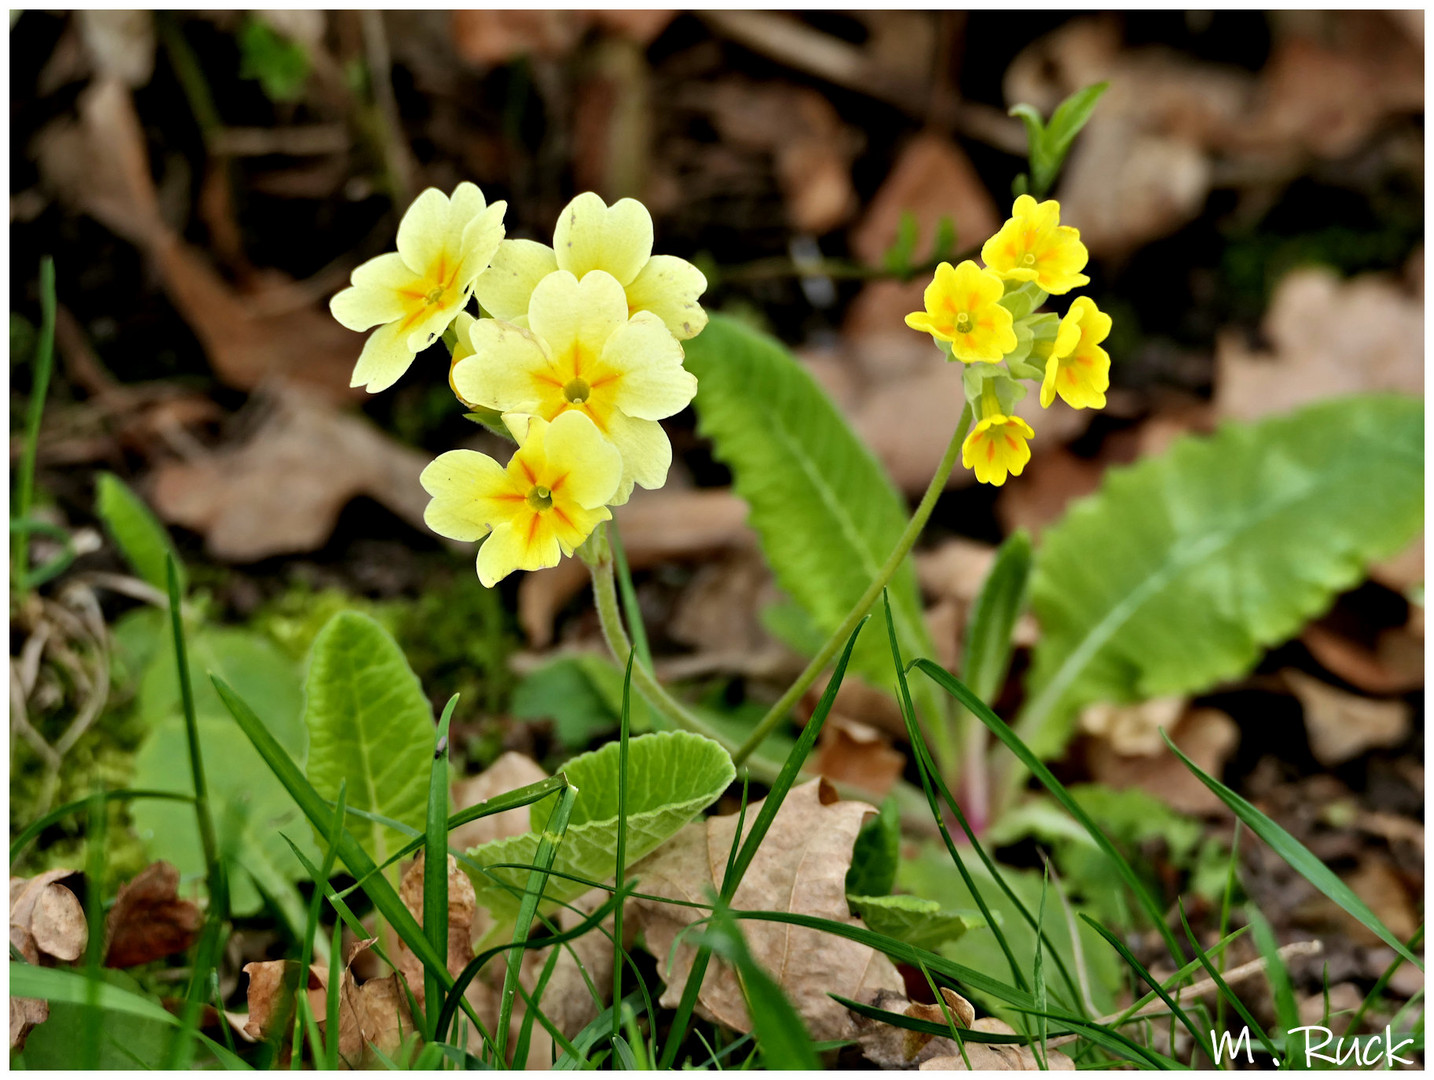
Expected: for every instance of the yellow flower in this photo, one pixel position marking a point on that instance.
(1078, 368)
(1034, 246)
(962, 308)
(591, 235)
(583, 353)
(997, 447)
(541, 507)
(413, 294)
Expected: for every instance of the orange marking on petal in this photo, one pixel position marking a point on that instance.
(528, 471)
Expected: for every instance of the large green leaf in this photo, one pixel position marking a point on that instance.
(369, 725)
(913, 919)
(671, 776)
(250, 807)
(1183, 568)
(827, 514)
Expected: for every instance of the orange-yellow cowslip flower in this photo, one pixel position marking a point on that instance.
(1078, 368)
(582, 352)
(591, 235)
(1034, 246)
(962, 307)
(413, 294)
(541, 507)
(996, 447)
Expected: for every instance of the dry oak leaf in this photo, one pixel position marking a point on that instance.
(1329, 338)
(998, 1057)
(889, 1047)
(1342, 726)
(149, 920)
(282, 490)
(801, 867)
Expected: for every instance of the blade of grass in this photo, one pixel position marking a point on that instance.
(1381, 983)
(525, 1030)
(998, 727)
(1287, 1011)
(1226, 900)
(311, 927)
(1224, 987)
(25, 478)
(1298, 856)
(623, 730)
(435, 864)
(630, 608)
(95, 828)
(333, 998)
(552, 837)
(736, 867)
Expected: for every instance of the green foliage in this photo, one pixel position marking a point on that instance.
(250, 808)
(141, 539)
(900, 258)
(369, 725)
(876, 852)
(1182, 568)
(1048, 144)
(827, 514)
(126, 1040)
(913, 920)
(673, 775)
(993, 617)
(280, 65)
(582, 695)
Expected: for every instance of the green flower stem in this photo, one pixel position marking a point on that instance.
(945, 750)
(44, 362)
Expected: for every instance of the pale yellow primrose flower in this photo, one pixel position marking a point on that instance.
(591, 235)
(996, 447)
(413, 294)
(541, 507)
(1078, 368)
(1034, 246)
(581, 352)
(962, 307)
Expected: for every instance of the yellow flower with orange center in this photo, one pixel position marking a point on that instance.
(412, 295)
(548, 500)
(1034, 246)
(1078, 368)
(582, 352)
(963, 307)
(590, 235)
(997, 445)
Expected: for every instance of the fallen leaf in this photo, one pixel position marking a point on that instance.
(25, 1013)
(850, 752)
(282, 490)
(1342, 726)
(462, 911)
(50, 914)
(998, 1057)
(800, 866)
(490, 36)
(889, 1047)
(568, 1002)
(120, 43)
(1402, 572)
(1395, 664)
(1206, 736)
(1133, 730)
(510, 772)
(149, 920)
(1328, 338)
(1378, 884)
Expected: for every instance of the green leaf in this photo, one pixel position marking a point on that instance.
(136, 532)
(1066, 122)
(672, 776)
(876, 852)
(581, 694)
(280, 65)
(123, 1038)
(913, 920)
(369, 724)
(249, 805)
(1184, 567)
(897, 258)
(993, 618)
(827, 514)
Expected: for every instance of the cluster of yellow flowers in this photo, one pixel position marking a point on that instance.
(580, 357)
(983, 316)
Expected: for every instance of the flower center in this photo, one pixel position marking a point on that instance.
(434, 296)
(963, 322)
(540, 498)
(577, 390)
(1028, 259)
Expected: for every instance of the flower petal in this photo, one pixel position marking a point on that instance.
(646, 453)
(669, 288)
(479, 240)
(423, 232)
(385, 357)
(567, 313)
(591, 235)
(506, 371)
(582, 467)
(377, 293)
(470, 495)
(506, 286)
(652, 383)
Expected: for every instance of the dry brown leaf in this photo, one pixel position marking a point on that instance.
(1206, 736)
(1378, 884)
(998, 1057)
(510, 772)
(149, 920)
(850, 752)
(1342, 726)
(1403, 571)
(800, 866)
(1329, 338)
(25, 1013)
(890, 1047)
(1053, 479)
(50, 914)
(462, 911)
(1395, 665)
(1133, 730)
(282, 490)
(120, 43)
